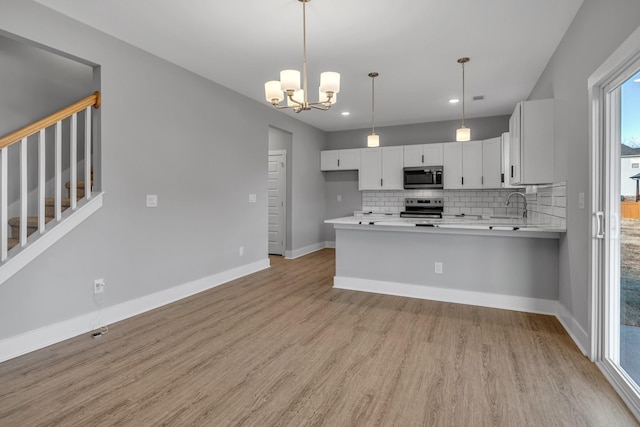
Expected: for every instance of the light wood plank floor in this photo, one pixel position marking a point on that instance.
(281, 347)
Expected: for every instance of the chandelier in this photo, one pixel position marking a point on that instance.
(463, 133)
(289, 84)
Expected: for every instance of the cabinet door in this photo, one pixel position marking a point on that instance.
(392, 163)
(433, 154)
(452, 165)
(472, 164)
(413, 155)
(349, 159)
(370, 175)
(515, 172)
(329, 160)
(492, 163)
(537, 142)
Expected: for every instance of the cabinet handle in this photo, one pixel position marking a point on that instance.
(502, 178)
(462, 180)
(512, 171)
(338, 162)
(423, 159)
(380, 182)
(482, 180)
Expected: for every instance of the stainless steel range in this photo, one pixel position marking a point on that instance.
(423, 207)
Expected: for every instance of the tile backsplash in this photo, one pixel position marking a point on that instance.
(547, 206)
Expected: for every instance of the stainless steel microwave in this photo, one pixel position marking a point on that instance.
(423, 177)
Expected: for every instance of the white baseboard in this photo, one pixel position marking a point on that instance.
(330, 244)
(51, 334)
(297, 253)
(573, 328)
(507, 302)
(46, 240)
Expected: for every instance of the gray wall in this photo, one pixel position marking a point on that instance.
(199, 146)
(36, 83)
(597, 30)
(345, 183)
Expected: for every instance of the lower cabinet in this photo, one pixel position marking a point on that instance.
(381, 168)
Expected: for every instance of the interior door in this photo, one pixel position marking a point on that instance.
(277, 195)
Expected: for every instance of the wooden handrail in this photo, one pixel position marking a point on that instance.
(54, 118)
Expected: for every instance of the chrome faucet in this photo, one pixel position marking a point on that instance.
(524, 212)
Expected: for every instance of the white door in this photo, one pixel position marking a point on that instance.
(615, 273)
(276, 192)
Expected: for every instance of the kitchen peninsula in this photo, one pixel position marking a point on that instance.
(501, 263)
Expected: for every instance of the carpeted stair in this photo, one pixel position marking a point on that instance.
(32, 221)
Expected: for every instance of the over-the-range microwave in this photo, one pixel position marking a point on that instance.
(423, 177)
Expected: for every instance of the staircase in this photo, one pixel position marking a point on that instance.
(32, 221)
(44, 218)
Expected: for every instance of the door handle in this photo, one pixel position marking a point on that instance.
(600, 223)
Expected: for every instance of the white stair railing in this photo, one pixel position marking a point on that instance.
(20, 139)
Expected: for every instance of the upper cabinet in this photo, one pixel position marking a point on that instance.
(462, 165)
(423, 155)
(381, 168)
(336, 160)
(532, 143)
(492, 164)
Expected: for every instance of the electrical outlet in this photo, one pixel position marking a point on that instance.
(241, 251)
(339, 198)
(580, 200)
(98, 286)
(438, 268)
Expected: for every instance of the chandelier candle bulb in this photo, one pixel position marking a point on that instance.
(298, 96)
(273, 91)
(330, 82)
(290, 80)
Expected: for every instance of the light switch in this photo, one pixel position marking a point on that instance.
(252, 198)
(581, 200)
(339, 198)
(152, 200)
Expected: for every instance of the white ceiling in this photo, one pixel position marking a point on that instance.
(414, 45)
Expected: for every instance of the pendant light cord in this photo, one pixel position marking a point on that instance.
(463, 94)
(373, 102)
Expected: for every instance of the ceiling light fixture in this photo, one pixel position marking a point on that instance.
(290, 83)
(463, 133)
(454, 101)
(373, 140)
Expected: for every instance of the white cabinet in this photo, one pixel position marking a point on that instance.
(335, 160)
(452, 166)
(462, 165)
(532, 143)
(492, 164)
(506, 162)
(381, 168)
(423, 155)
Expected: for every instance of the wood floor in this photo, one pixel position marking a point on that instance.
(281, 347)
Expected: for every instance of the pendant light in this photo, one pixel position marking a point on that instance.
(373, 140)
(288, 87)
(463, 133)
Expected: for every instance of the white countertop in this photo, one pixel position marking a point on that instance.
(470, 224)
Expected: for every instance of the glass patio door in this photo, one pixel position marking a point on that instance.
(617, 193)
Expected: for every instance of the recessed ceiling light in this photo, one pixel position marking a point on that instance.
(345, 113)
(454, 101)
